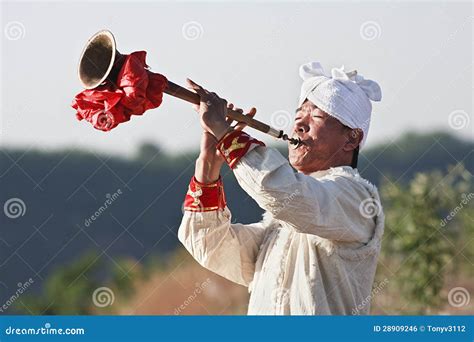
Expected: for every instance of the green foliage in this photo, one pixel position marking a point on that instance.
(419, 237)
(67, 291)
(124, 275)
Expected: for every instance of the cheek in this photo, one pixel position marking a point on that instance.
(318, 134)
(327, 138)
(327, 132)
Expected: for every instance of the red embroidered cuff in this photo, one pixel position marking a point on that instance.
(205, 197)
(234, 145)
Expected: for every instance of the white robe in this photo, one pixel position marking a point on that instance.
(314, 253)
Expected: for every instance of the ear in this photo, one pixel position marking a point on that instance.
(354, 138)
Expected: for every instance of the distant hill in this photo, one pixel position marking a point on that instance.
(141, 200)
(412, 153)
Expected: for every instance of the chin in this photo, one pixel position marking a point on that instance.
(304, 164)
(298, 157)
(297, 163)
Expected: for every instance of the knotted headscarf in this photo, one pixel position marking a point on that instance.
(345, 96)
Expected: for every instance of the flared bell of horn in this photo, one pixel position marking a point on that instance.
(99, 60)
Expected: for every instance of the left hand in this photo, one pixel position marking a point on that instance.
(210, 160)
(208, 150)
(212, 111)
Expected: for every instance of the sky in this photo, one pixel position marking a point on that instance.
(247, 52)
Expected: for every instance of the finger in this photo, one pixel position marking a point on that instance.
(240, 126)
(230, 106)
(196, 87)
(192, 84)
(252, 111)
(238, 110)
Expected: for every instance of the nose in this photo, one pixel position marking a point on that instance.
(301, 127)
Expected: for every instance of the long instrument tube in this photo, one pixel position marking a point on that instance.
(184, 94)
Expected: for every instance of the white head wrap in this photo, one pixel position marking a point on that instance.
(343, 96)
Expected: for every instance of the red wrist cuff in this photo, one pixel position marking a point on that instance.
(234, 145)
(205, 197)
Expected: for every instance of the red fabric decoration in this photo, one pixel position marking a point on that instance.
(205, 197)
(137, 89)
(234, 145)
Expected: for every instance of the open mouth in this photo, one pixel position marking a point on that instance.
(299, 144)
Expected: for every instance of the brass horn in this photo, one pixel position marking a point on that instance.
(101, 61)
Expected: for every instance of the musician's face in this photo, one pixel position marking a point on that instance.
(324, 140)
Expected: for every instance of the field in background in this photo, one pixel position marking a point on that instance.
(56, 259)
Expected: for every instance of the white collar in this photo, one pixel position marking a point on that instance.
(345, 169)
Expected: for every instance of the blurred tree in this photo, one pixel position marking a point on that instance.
(149, 152)
(424, 233)
(67, 291)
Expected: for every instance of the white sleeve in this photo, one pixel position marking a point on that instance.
(328, 208)
(229, 250)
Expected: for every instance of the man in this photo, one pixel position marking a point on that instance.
(316, 249)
